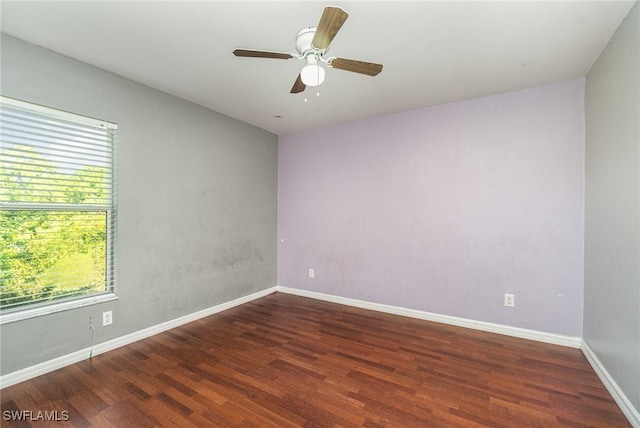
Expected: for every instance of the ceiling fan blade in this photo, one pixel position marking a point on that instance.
(330, 23)
(362, 67)
(261, 54)
(298, 86)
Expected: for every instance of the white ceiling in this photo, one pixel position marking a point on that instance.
(433, 52)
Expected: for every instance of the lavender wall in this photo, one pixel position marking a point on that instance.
(444, 209)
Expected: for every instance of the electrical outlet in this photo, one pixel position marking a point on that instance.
(510, 300)
(107, 318)
(312, 273)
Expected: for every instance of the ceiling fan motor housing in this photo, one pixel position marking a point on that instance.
(303, 42)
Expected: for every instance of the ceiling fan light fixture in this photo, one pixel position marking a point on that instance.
(312, 74)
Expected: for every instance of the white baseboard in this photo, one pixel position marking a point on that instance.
(74, 357)
(556, 339)
(629, 410)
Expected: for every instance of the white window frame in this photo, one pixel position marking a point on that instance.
(39, 309)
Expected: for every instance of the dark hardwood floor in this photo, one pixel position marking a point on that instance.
(286, 361)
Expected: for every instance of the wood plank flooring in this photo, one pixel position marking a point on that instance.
(285, 361)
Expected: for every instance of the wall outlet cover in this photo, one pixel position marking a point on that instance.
(107, 318)
(510, 300)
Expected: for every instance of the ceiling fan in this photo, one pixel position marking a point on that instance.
(312, 44)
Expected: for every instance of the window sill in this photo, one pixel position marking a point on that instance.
(55, 307)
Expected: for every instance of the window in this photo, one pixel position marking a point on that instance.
(57, 210)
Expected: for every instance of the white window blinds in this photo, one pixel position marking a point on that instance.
(57, 206)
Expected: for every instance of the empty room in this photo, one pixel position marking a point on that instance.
(299, 213)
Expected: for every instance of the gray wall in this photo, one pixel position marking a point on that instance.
(612, 208)
(197, 203)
